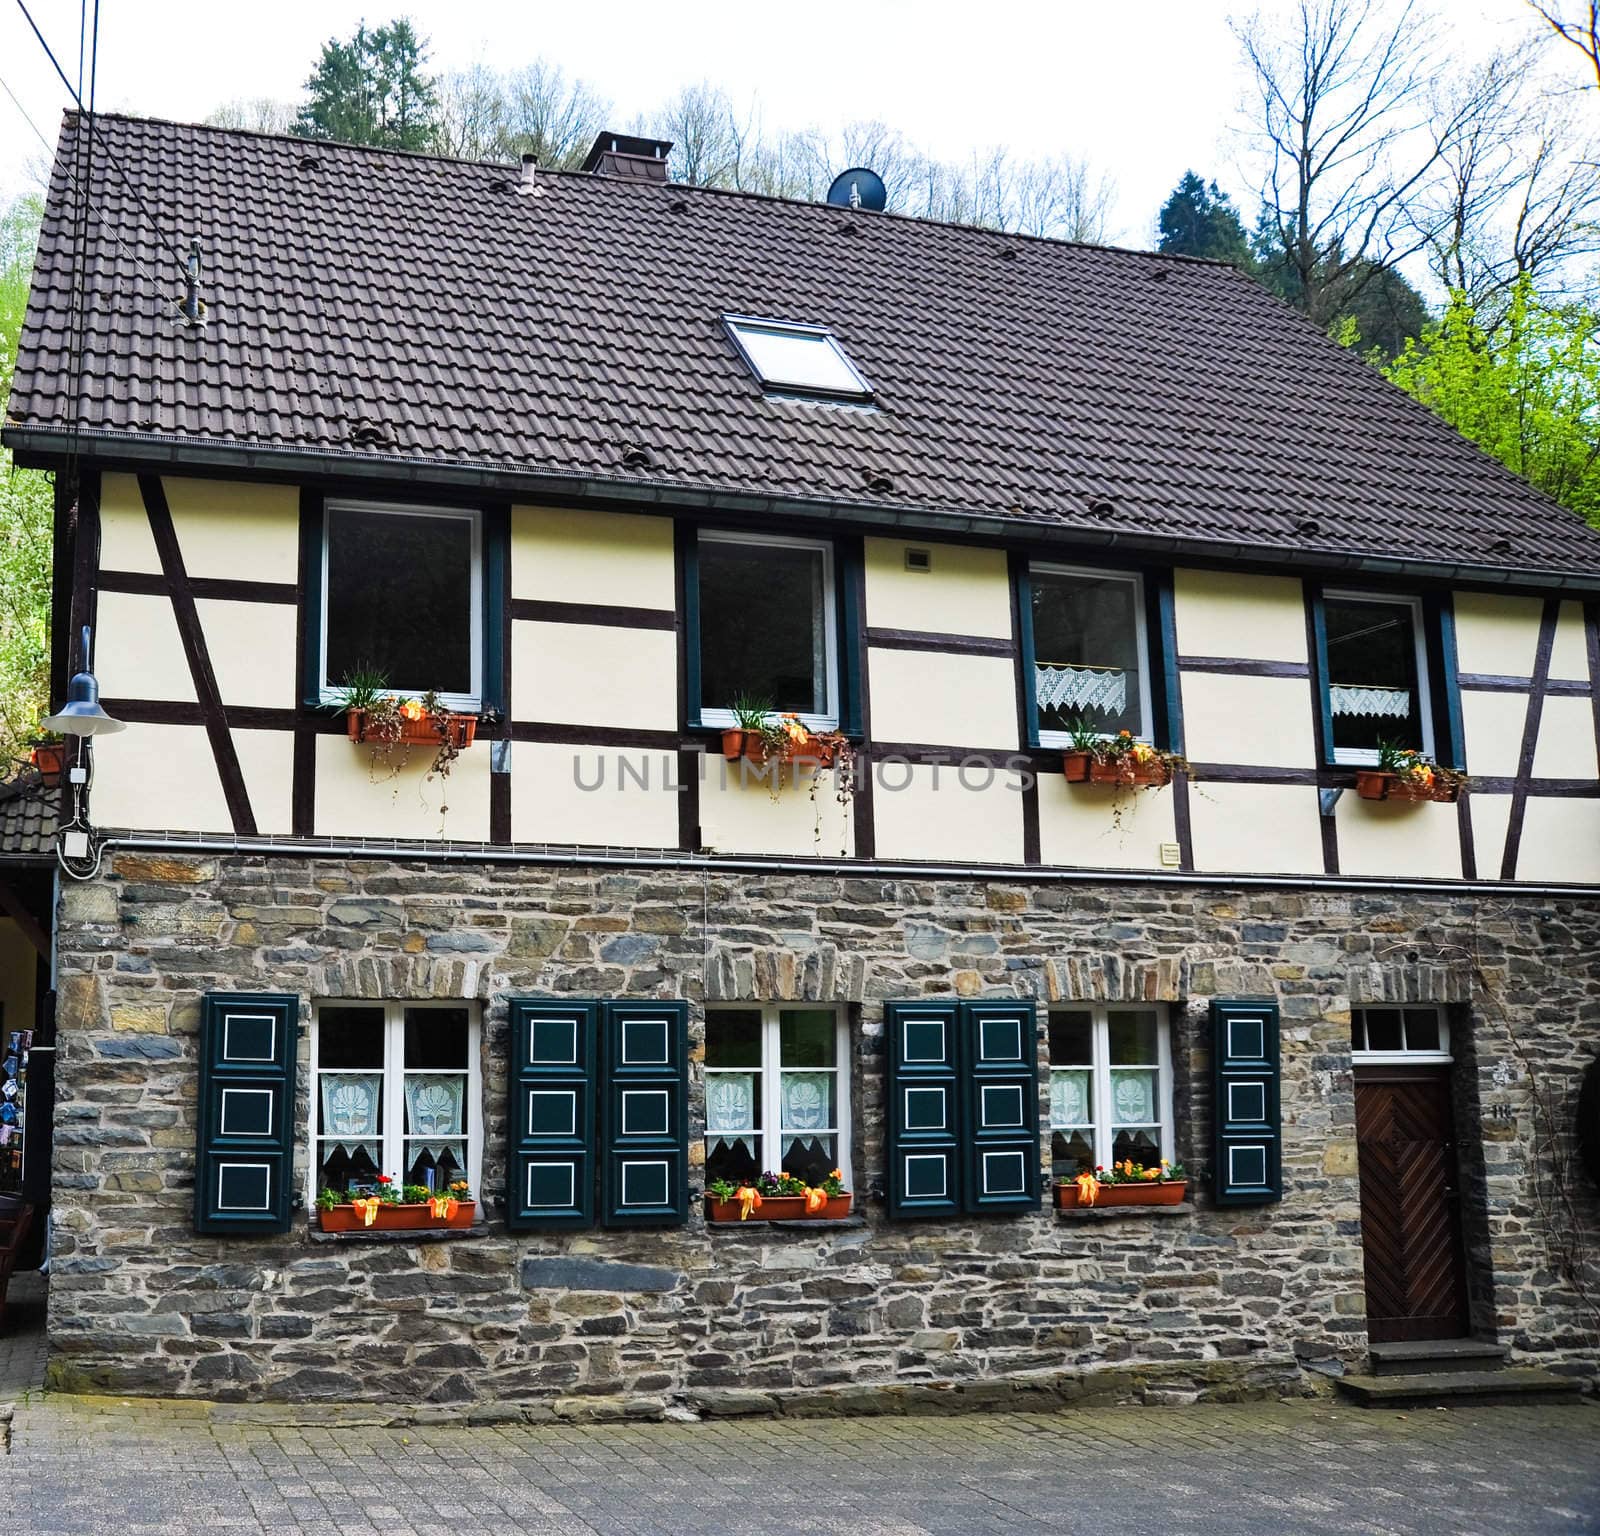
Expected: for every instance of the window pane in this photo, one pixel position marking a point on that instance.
(350, 1037)
(762, 627)
(1422, 1029)
(1071, 1153)
(807, 1037)
(1071, 1097)
(799, 359)
(733, 1037)
(1086, 653)
(400, 599)
(1383, 1030)
(1071, 1039)
(1358, 1033)
(811, 1158)
(1141, 1146)
(435, 1165)
(1133, 1039)
(1372, 673)
(436, 1038)
(343, 1166)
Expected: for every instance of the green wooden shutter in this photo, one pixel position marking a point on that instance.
(999, 1055)
(244, 1160)
(550, 1116)
(924, 1110)
(1248, 1165)
(644, 1176)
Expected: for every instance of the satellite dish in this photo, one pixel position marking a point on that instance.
(859, 188)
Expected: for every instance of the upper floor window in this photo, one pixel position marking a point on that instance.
(1090, 653)
(402, 596)
(777, 1092)
(768, 627)
(1110, 1088)
(797, 359)
(396, 1094)
(1377, 675)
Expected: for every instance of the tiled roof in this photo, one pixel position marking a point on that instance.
(29, 814)
(422, 307)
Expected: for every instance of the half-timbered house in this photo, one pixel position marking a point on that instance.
(596, 460)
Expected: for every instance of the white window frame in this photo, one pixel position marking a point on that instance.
(771, 1133)
(1104, 1130)
(1367, 757)
(465, 703)
(392, 1127)
(1052, 738)
(736, 325)
(722, 719)
(1441, 1056)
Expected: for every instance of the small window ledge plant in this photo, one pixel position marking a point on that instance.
(388, 1207)
(1406, 774)
(778, 1197)
(763, 737)
(1124, 1183)
(390, 725)
(1094, 758)
(48, 754)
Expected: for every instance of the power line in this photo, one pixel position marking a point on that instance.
(111, 159)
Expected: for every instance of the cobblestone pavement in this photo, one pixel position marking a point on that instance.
(150, 1468)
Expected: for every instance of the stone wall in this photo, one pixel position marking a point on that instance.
(1198, 1300)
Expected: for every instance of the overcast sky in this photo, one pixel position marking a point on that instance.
(1142, 90)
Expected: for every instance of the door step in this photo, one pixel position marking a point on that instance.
(1511, 1384)
(1421, 1356)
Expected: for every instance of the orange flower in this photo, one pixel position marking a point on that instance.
(835, 1174)
(411, 709)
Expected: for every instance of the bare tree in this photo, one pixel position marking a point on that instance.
(1338, 119)
(1581, 29)
(550, 117)
(472, 113)
(260, 114)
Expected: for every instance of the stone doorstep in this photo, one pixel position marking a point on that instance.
(1163, 1385)
(1510, 1384)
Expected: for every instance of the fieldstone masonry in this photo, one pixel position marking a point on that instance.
(1197, 1300)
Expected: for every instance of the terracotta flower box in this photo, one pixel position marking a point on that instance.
(1154, 1192)
(752, 746)
(462, 729)
(1086, 768)
(50, 758)
(779, 1208)
(1380, 784)
(395, 1218)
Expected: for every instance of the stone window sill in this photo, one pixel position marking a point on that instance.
(758, 1228)
(1117, 1212)
(422, 1235)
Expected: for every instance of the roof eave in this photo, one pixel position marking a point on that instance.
(43, 448)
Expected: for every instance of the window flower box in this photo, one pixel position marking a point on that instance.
(393, 1216)
(1131, 772)
(421, 729)
(1159, 1192)
(778, 1208)
(1405, 774)
(50, 758)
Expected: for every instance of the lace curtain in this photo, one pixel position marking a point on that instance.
(433, 1111)
(807, 1106)
(350, 1112)
(1383, 703)
(1078, 689)
(731, 1111)
(1069, 1099)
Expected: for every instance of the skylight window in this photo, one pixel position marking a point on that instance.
(797, 359)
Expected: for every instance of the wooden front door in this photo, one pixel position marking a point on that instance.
(1410, 1226)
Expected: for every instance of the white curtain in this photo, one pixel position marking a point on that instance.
(350, 1111)
(1384, 703)
(433, 1111)
(1081, 688)
(731, 1110)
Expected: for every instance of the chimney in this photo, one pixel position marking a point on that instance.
(528, 186)
(621, 154)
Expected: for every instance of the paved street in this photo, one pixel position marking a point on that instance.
(97, 1465)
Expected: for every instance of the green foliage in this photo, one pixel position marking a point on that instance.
(26, 516)
(1200, 220)
(372, 90)
(1524, 385)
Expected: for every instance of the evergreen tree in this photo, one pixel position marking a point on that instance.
(1200, 220)
(372, 90)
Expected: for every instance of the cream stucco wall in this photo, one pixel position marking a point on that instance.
(138, 653)
(738, 813)
(1565, 748)
(18, 968)
(126, 543)
(1497, 634)
(1256, 828)
(938, 699)
(1265, 721)
(251, 646)
(1218, 613)
(235, 530)
(1560, 841)
(966, 591)
(593, 674)
(1395, 838)
(581, 795)
(357, 797)
(1077, 827)
(1491, 814)
(158, 778)
(266, 762)
(924, 812)
(568, 555)
(1493, 724)
(1569, 657)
